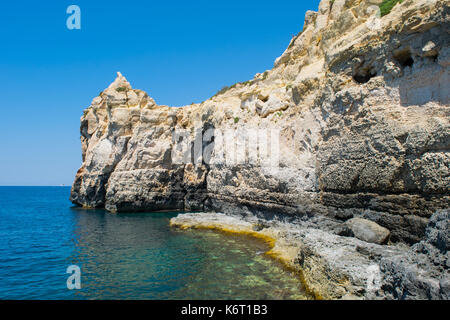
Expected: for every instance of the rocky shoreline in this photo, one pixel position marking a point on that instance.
(332, 266)
(340, 154)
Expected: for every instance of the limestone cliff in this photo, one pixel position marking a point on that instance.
(362, 107)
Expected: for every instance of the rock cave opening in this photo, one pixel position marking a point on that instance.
(404, 57)
(363, 75)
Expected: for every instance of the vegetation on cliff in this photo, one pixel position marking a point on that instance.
(387, 5)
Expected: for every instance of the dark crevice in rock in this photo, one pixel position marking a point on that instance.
(364, 75)
(404, 57)
(435, 57)
(383, 192)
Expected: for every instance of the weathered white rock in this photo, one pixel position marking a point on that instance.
(362, 112)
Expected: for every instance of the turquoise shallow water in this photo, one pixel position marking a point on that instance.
(126, 256)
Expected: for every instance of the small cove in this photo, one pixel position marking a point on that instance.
(126, 256)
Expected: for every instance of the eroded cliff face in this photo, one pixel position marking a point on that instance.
(362, 107)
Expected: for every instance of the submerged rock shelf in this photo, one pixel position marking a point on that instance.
(336, 267)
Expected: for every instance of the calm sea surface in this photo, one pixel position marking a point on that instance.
(125, 256)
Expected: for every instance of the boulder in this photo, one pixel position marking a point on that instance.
(368, 231)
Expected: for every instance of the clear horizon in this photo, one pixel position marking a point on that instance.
(178, 53)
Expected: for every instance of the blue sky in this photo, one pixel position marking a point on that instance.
(178, 51)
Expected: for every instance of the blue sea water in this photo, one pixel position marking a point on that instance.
(125, 256)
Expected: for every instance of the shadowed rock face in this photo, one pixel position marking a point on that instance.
(422, 273)
(362, 107)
